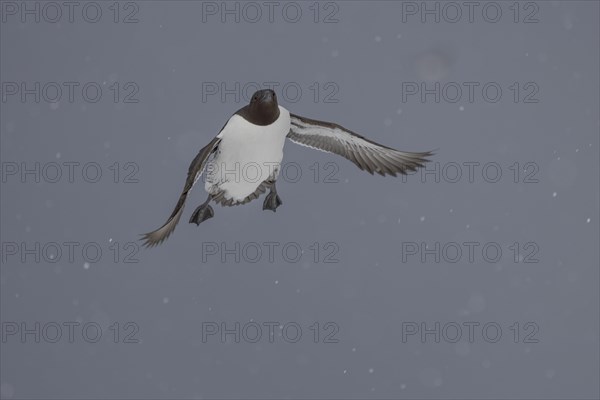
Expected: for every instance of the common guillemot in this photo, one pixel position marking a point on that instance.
(255, 136)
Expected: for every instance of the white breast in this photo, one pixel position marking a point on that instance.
(248, 155)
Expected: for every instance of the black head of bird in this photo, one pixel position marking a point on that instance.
(263, 106)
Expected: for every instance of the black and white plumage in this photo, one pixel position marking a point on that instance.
(253, 139)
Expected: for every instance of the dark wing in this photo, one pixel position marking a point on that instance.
(156, 237)
(366, 154)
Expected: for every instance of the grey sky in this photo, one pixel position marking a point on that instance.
(501, 231)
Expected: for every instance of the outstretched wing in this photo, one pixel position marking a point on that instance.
(156, 237)
(366, 154)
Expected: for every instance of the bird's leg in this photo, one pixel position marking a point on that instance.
(203, 212)
(272, 201)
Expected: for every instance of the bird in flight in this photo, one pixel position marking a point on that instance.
(254, 138)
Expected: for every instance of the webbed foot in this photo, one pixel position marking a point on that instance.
(272, 201)
(201, 214)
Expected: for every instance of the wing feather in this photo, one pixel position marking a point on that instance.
(364, 153)
(195, 170)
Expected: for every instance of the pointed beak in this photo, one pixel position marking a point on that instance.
(267, 96)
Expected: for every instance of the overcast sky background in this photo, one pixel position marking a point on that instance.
(355, 69)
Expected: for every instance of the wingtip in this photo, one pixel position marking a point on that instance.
(149, 241)
(146, 242)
